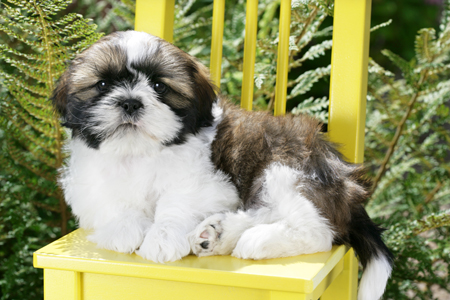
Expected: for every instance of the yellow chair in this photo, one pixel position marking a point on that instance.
(76, 269)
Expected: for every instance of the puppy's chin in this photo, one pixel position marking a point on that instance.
(145, 137)
(131, 141)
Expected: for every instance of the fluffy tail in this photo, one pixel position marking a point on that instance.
(377, 260)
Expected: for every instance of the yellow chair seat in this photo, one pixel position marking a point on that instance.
(75, 268)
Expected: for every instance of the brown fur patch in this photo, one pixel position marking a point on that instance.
(248, 142)
(88, 67)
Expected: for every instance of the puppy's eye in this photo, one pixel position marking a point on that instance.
(160, 87)
(102, 85)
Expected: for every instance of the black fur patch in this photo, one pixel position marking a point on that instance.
(365, 237)
(199, 113)
(80, 121)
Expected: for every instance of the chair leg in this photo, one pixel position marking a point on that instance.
(60, 284)
(345, 286)
(278, 295)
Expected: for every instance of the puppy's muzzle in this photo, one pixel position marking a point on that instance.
(131, 105)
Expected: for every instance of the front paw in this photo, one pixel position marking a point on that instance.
(205, 239)
(163, 245)
(119, 236)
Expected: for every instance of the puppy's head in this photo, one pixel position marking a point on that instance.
(131, 89)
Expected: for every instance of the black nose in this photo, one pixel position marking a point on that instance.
(131, 105)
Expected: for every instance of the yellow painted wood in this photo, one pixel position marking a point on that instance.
(62, 285)
(242, 279)
(277, 295)
(324, 284)
(283, 58)
(348, 87)
(351, 265)
(217, 40)
(346, 284)
(251, 24)
(155, 17)
(120, 288)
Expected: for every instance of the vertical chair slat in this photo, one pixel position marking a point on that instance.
(162, 17)
(251, 24)
(217, 40)
(283, 58)
(348, 86)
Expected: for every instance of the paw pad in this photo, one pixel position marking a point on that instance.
(206, 237)
(205, 244)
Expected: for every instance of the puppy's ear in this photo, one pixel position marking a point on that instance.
(61, 93)
(205, 93)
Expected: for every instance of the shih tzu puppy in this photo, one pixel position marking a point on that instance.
(162, 166)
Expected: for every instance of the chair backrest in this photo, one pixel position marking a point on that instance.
(348, 87)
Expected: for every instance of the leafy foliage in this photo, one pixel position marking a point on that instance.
(108, 15)
(407, 148)
(36, 43)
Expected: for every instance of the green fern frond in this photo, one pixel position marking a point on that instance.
(41, 43)
(397, 170)
(306, 39)
(405, 67)
(23, 175)
(38, 107)
(404, 231)
(37, 62)
(182, 8)
(17, 127)
(431, 222)
(377, 69)
(65, 20)
(325, 32)
(317, 50)
(317, 108)
(19, 37)
(327, 6)
(20, 157)
(36, 151)
(387, 23)
(445, 19)
(425, 46)
(266, 19)
(38, 125)
(27, 69)
(4, 48)
(125, 10)
(311, 105)
(437, 67)
(305, 81)
(129, 4)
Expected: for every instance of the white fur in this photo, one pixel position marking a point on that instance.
(138, 44)
(374, 279)
(150, 198)
(288, 224)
